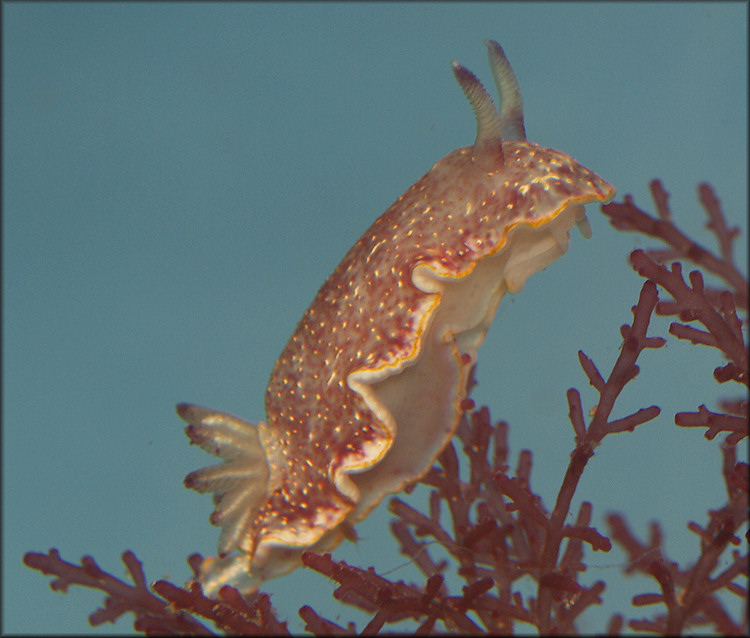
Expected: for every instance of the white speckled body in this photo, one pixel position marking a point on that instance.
(368, 390)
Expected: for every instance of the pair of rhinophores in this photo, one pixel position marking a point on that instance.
(369, 388)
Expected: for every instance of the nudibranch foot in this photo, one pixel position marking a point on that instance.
(246, 572)
(373, 382)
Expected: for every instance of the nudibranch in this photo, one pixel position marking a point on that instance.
(371, 385)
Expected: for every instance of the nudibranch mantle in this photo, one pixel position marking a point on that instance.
(370, 387)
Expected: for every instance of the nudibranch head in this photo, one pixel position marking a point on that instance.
(370, 387)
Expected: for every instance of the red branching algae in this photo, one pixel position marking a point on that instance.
(494, 529)
(627, 216)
